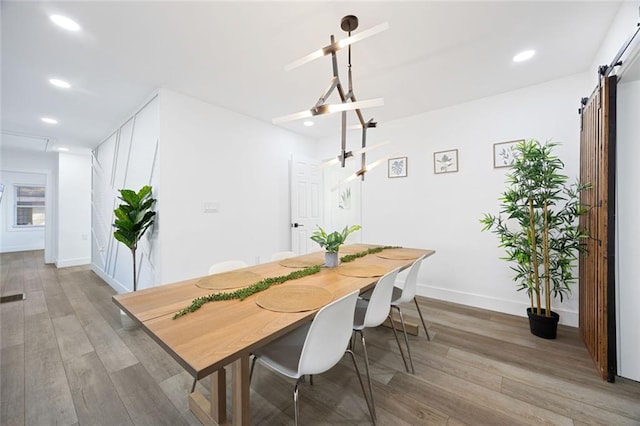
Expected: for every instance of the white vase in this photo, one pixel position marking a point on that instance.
(331, 259)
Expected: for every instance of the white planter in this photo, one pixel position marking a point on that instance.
(127, 323)
(331, 260)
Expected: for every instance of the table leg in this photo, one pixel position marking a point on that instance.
(240, 389)
(213, 411)
(219, 396)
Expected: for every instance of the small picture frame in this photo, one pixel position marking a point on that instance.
(397, 167)
(445, 161)
(504, 154)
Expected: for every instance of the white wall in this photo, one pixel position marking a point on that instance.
(41, 166)
(14, 238)
(628, 229)
(213, 155)
(442, 211)
(620, 30)
(74, 209)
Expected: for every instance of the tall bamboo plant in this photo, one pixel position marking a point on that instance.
(133, 217)
(537, 224)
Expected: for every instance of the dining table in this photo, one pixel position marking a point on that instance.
(225, 333)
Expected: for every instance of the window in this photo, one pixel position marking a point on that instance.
(29, 205)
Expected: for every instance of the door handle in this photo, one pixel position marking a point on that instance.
(296, 225)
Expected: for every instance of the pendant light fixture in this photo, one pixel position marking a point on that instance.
(348, 101)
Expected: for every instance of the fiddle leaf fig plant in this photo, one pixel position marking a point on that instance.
(537, 224)
(133, 217)
(332, 242)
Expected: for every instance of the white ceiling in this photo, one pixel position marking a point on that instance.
(232, 54)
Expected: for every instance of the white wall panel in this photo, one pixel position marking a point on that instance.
(122, 154)
(125, 160)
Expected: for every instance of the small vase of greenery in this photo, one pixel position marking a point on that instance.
(332, 242)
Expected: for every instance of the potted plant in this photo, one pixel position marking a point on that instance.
(133, 217)
(332, 242)
(538, 228)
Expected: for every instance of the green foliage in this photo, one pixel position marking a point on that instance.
(537, 225)
(264, 284)
(133, 217)
(332, 242)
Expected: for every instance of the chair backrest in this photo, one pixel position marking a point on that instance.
(282, 255)
(328, 336)
(229, 265)
(411, 282)
(380, 301)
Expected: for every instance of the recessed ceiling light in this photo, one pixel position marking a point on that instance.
(524, 56)
(49, 120)
(62, 149)
(64, 22)
(59, 83)
(308, 123)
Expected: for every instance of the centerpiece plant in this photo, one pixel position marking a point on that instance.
(133, 217)
(538, 228)
(332, 242)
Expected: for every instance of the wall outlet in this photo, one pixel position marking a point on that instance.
(211, 207)
(85, 237)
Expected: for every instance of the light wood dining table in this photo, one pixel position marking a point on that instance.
(224, 333)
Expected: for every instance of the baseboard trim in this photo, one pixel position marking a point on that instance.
(73, 262)
(506, 306)
(13, 249)
(116, 285)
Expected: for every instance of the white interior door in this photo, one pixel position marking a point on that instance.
(306, 203)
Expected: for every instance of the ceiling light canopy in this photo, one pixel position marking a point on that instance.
(59, 83)
(525, 55)
(308, 123)
(49, 120)
(64, 22)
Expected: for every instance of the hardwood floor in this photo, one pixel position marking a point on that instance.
(66, 360)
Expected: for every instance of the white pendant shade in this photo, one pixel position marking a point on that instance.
(337, 46)
(329, 109)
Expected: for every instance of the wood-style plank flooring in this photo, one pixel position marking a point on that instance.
(66, 360)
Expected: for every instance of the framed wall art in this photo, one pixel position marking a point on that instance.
(398, 167)
(503, 153)
(445, 161)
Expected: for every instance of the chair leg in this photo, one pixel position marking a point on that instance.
(295, 403)
(406, 340)
(253, 364)
(366, 366)
(364, 392)
(395, 334)
(421, 318)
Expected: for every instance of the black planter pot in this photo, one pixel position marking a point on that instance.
(542, 326)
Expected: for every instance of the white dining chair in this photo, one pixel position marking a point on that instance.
(371, 313)
(314, 348)
(282, 255)
(226, 266)
(404, 295)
